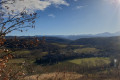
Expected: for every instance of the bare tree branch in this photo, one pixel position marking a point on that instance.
(15, 21)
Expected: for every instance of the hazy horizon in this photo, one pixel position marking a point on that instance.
(65, 34)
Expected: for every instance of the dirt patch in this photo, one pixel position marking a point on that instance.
(55, 76)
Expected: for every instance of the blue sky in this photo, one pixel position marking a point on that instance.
(79, 17)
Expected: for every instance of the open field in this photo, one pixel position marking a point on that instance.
(86, 50)
(17, 61)
(59, 45)
(91, 62)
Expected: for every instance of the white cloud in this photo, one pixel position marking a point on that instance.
(52, 15)
(58, 2)
(79, 7)
(33, 5)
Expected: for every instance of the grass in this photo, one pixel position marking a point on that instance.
(91, 62)
(44, 53)
(59, 45)
(86, 50)
(64, 45)
(77, 45)
(85, 65)
(17, 61)
(21, 52)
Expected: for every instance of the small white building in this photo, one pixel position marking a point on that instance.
(115, 62)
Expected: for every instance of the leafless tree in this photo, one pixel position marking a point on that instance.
(11, 20)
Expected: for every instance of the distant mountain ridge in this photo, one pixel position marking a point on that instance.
(72, 37)
(75, 37)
